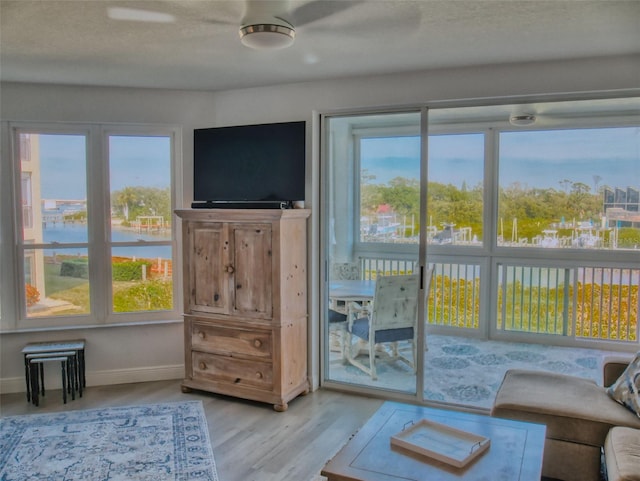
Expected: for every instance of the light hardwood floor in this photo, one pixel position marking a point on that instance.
(251, 442)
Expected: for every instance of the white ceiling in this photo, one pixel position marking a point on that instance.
(75, 42)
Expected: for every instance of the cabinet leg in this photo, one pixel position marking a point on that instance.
(186, 389)
(281, 407)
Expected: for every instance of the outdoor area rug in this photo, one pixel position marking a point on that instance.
(468, 371)
(152, 442)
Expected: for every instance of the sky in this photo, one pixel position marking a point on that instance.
(534, 158)
(135, 161)
(538, 159)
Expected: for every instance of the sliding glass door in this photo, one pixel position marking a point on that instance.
(529, 215)
(372, 168)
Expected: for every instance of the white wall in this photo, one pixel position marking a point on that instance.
(123, 354)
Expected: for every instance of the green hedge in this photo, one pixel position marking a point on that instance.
(122, 271)
(75, 268)
(130, 271)
(146, 296)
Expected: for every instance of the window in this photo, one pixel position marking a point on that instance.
(455, 189)
(95, 234)
(389, 188)
(140, 191)
(54, 209)
(573, 188)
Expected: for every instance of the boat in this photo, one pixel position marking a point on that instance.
(586, 236)
(550, 238)
(446, 235)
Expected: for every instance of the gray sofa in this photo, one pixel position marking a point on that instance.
(578, 414)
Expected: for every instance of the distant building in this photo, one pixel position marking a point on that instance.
(29, 150)
(621, 207)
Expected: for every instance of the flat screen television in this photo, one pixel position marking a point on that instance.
(249, 165)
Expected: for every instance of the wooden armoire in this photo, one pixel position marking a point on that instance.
(245, 302)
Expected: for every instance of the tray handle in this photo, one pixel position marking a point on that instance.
(478, 445)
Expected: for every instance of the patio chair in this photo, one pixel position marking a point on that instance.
(391, 317)
(345, 270)
(341, 271)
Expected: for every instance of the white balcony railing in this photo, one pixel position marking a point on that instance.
(580, 302)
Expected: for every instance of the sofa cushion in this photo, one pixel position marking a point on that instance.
(574, 409)
(626, 389)
(622, 454)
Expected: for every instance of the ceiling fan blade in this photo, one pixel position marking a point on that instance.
(209, 13)
(318, 9)
(174, 11)
(139, 15)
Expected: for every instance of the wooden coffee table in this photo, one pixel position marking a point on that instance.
(515, 452)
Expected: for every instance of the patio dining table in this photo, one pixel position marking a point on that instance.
(342, 292)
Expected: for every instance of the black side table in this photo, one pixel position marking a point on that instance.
(55, 349)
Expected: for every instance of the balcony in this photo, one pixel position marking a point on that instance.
(532, 231)
(566, 317)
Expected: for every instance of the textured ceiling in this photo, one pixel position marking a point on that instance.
(76, 42)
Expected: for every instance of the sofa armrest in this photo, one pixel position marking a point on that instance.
(613, 367)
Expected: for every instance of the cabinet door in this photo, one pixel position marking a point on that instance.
(209, 267)
(252, 286)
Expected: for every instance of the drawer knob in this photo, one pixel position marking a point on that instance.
(257, 343)
(201, 335)
(202, 366)
(258, 375)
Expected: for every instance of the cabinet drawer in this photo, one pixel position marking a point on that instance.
(225, 340)
(231, 370)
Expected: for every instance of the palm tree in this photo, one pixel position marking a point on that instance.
(596, 182)
(126, 198)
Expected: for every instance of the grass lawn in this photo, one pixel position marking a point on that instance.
(128, 296)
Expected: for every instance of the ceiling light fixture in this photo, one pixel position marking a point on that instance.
(270, 36)
(522, 120)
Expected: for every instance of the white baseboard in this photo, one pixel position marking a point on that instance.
(103, 378)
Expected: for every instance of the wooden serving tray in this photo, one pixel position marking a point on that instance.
(443, 443)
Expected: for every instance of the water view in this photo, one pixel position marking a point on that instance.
(76, 233)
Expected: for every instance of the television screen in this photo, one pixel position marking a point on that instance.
(249, 163)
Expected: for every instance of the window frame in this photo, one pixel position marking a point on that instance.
(13, 303)
(395, 131)
(357, 135)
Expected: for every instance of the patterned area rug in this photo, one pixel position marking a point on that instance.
(154, 442)
(468, 371)
(465, 371)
